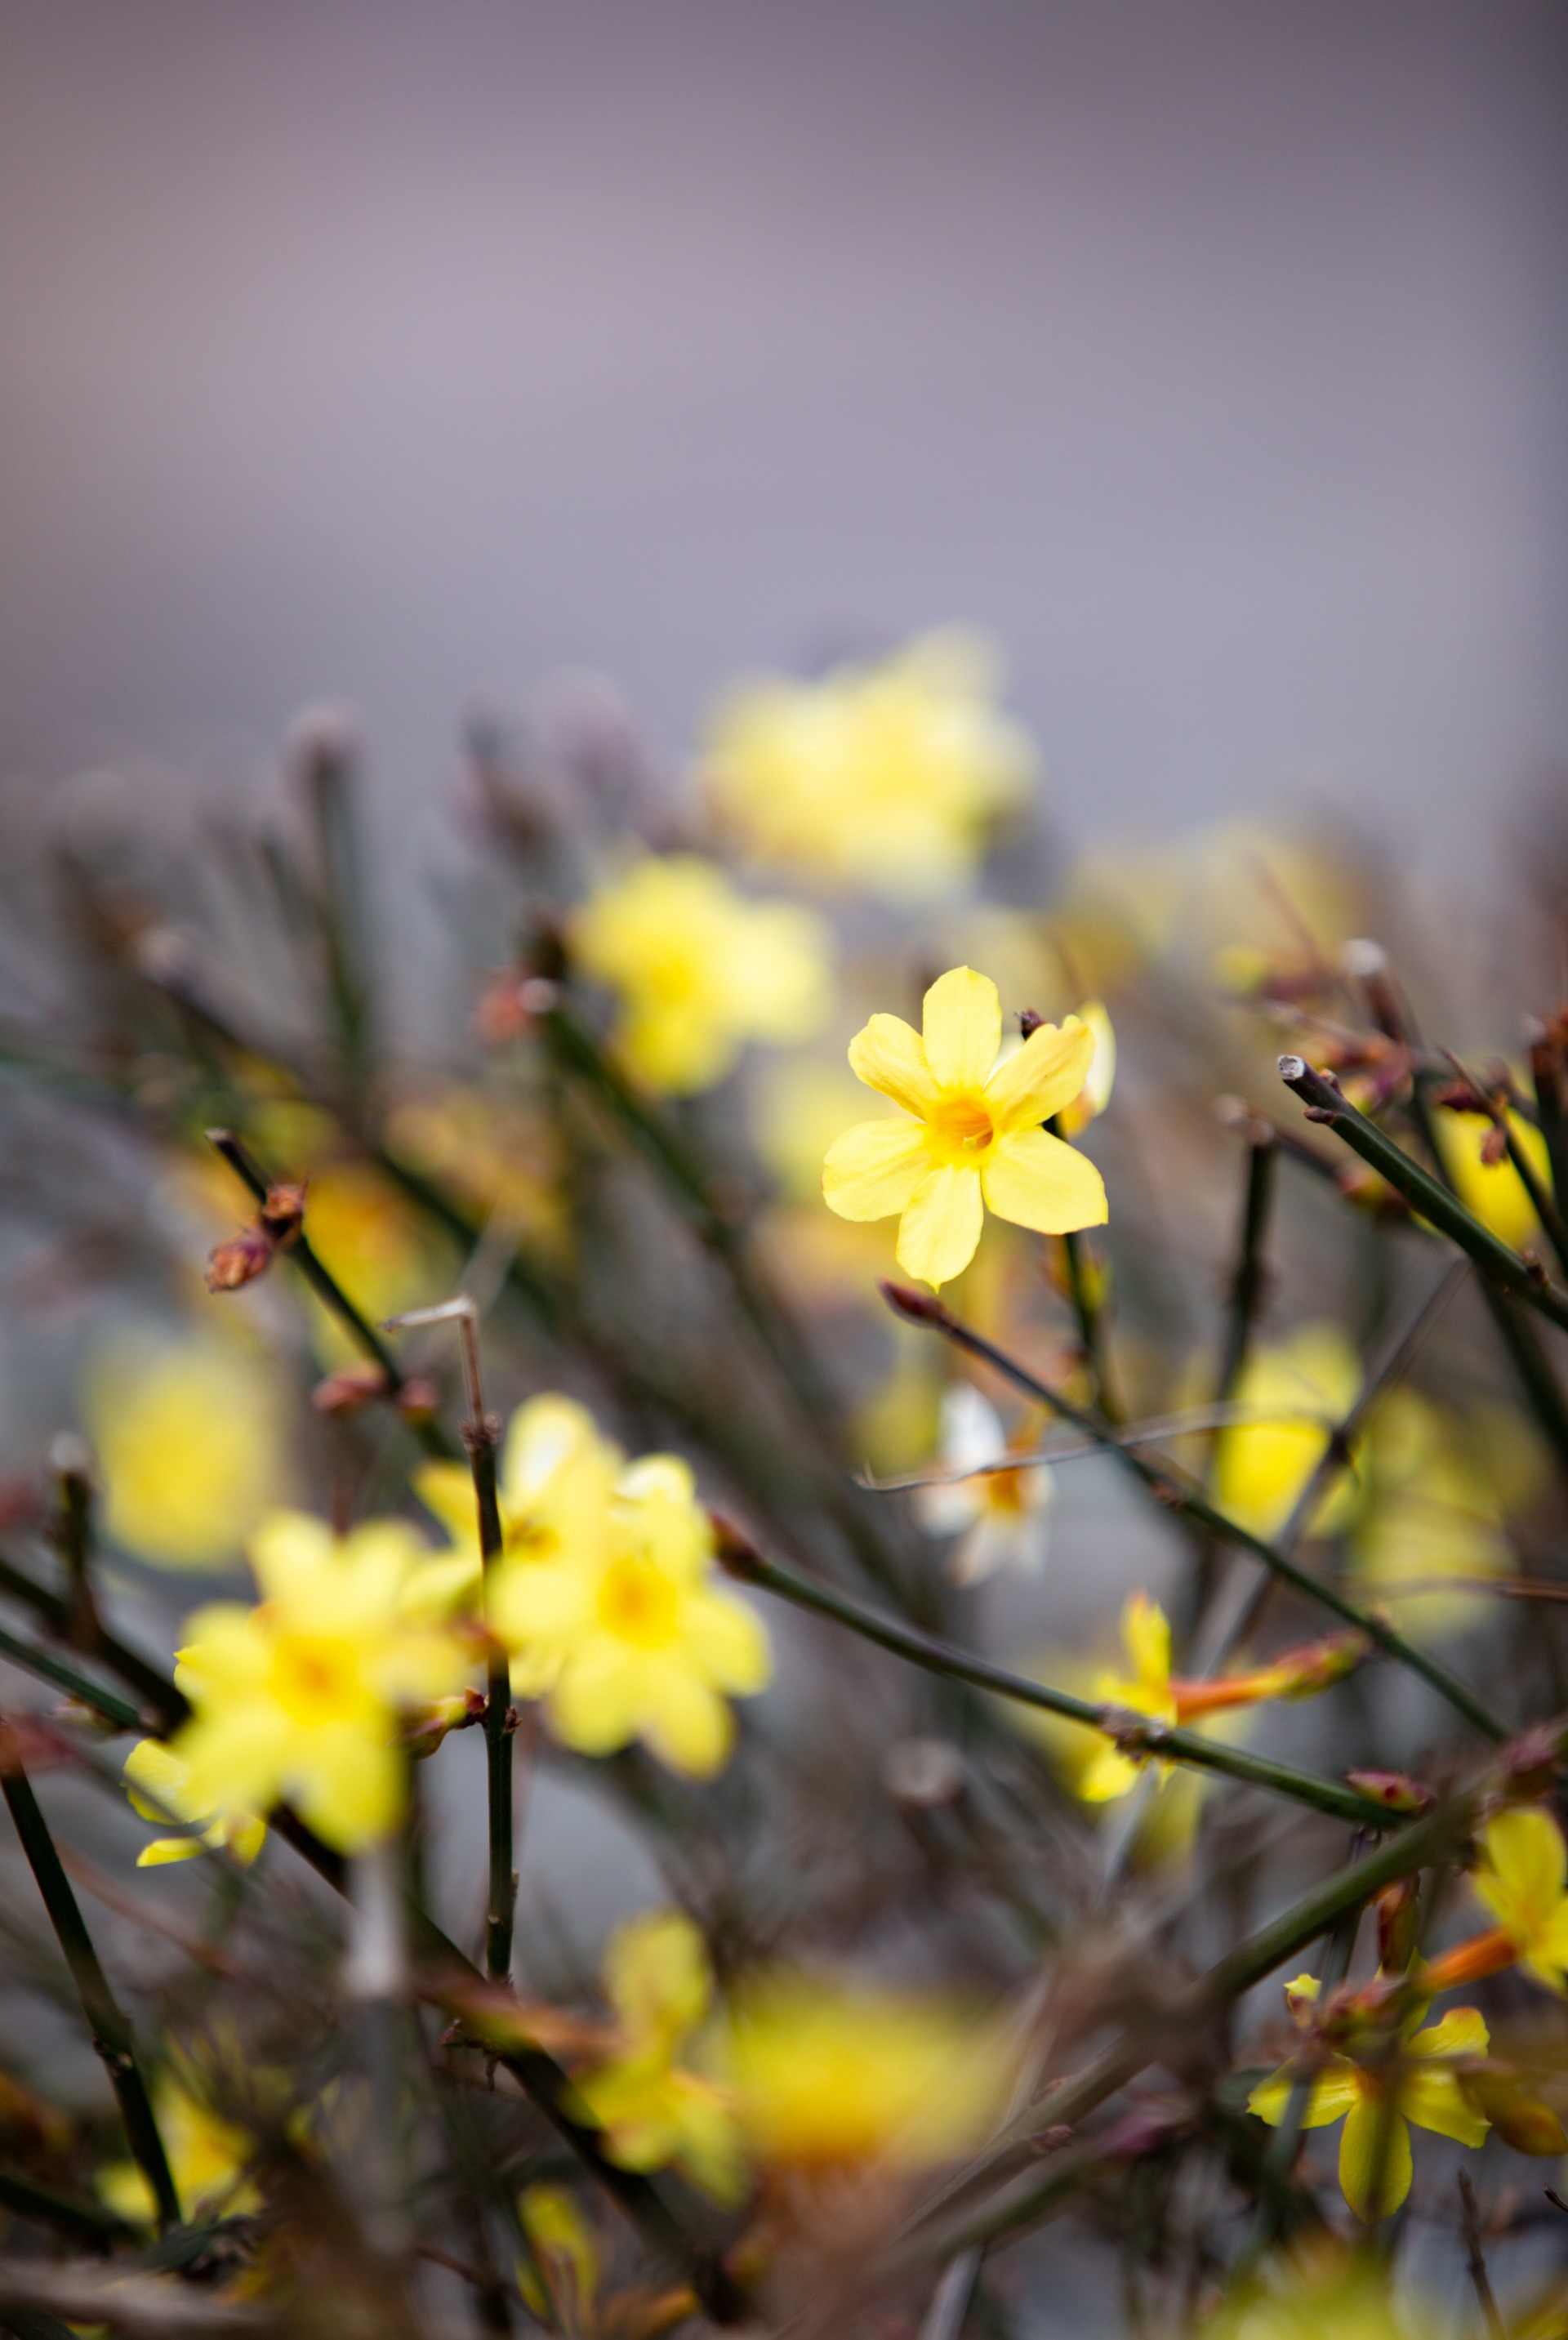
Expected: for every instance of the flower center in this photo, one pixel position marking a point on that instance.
(313, 1679)
(639, 1602)
(961, 1128)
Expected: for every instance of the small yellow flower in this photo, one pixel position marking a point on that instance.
(886, 776)
(1377, 2101)
(655, 2111)
(188, 1437)
(561, 2285)
(700, 969)
(825, 2075)
(1521, 1882)
(302, 1696)
(207, 2159)
(1309, 1384)
(1095, 1093)
(999, 1517)
(972, 1136)
(609, 1606)
(1493, 1191)
(158, 1785)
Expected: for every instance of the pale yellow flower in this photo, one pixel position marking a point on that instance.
(700, 969)
(887, 776)
(1494, 1192)
(158, 1786)
(207, 2158)
(656, 2111)
(999, 1517)
(972, 1138)
(1431, 1512)
(1523, 1882)
(188, 1435)
(1095, 1093)
(561, 2282)
(611, 1612)
(1378, 2100)
(301, 1697)
(1306, 1385)
(824, 2074)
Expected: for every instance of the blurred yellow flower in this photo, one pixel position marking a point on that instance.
(207, 2159)
(1321, 2293)
(1493, 1191)
(999, 1517)
(158, 1786)
(1431, 1512)
(560, 2284)
(1523, 1882)
(1095, 1093)
(365, 1230)
(655, 2111)
(625, 1624)
(973, 1138)
(301, 1697)
(885, 776)
(827, 2074)
(700, 969)
(1376, 2101)
(1307, 1383)
(188, 1435)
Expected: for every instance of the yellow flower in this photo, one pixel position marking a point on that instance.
(1377, 2101)
(657, 2112)
(1095, 1093)
(1000, 1516)
(826, 2074)
(158, 1785)
(1522, 1883)
(700, 969)
(975, 1138)
(1494, 1192)
(1319, 2293)
(188, 1438)
(1309, 1383)
(1147, 1638)
(301, 1697)
(611, 1610)
(560, 2284)
(1431, 1512)
(207, 2158)
(886, 776)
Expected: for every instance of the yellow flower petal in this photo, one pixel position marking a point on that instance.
(1461, 2032)
(889, 1054)
(1333, 2093)
(875, 1169)
(1375, 2163)
(688, 1726)
(961, 1023)
(941, 1225)
(1522, 1882)
(1037, 1181)
(1434, 2099)
(1046, 1075)
(1147, 1637)
(165, 1849)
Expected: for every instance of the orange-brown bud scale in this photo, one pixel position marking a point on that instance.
(1472, 1961)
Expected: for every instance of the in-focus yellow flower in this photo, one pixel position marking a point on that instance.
(827, 2074)
(302, 1697)
(158, 1785)
(655, 2111)
(700, 968)
(629, 1629)
(973, 1138)
(1307, 1384)
(1493, 1190)
(1415, 2081)
(207, 2159)
(886, 777)
(188, 1435)
(998, 1517)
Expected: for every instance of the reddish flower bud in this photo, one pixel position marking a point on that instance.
(240, 1260)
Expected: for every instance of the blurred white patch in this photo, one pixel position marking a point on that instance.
(1000, 1518)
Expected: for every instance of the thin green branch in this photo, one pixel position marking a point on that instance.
(1178, 1494)
(112, 2038)
(1546, 1079)
(1502, 1267)
(1136, 1734)
(329, 1291)
(160, 1694)
(50, 1669)
(87, 2222)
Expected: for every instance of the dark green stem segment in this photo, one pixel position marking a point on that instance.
(73, 1536)
(1546, 1078)
(481, 1438)
(1172, 1488)
(1137, 1734)
(85, 2222)
(111, 2035)
(328, 1291)
(1080, 1267)
(160, 1694)
(50, 1669)
(1248, 1282)
(1504, 1268)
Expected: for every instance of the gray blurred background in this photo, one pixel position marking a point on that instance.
(1212, 355)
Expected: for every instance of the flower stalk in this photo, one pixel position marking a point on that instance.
(112, 2038)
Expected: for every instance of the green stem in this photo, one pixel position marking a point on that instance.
(50, 1669)
(1080, 1266)
(1249, 1278)
(1178, 1494)
(1502, 1268)
(1546, 1078)
(73, 1536)
(480, 1438)
(1141, 1734)
(87, 2222)
(329, 1291)
(111, 2035)
(168, 1703)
